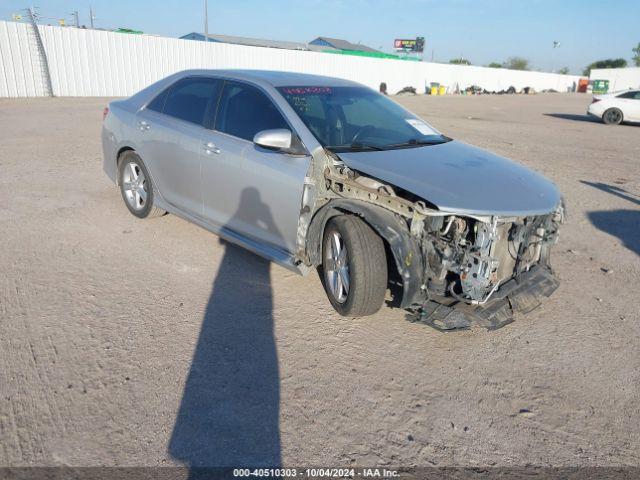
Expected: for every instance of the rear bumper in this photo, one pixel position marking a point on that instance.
(518, 295)
(595, 110)
(108, 154)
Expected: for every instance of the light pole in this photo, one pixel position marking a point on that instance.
(206, 22)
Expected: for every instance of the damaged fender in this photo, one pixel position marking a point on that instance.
(391, 227)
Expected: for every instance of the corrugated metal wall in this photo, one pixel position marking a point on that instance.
(20, 74)
(96, 63)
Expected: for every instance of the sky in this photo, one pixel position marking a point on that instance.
(482, 31)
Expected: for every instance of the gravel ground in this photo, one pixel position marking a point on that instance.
(129, 342)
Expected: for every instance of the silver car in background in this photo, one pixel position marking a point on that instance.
(317, 172)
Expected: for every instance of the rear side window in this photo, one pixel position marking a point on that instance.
(631, 95)
(190, 99)
(157, 104)
(244, 111)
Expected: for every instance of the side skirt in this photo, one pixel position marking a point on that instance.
(268, 252)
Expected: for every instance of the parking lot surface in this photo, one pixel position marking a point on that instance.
(151, 342)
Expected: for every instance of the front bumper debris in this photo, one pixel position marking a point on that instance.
(521, 295)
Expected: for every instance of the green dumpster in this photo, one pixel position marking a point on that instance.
(600, 86)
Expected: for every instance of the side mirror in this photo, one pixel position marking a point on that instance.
(276, 139)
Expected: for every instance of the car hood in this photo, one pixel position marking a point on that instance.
(460, 178)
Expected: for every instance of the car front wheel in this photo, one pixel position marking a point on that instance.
(354, 266)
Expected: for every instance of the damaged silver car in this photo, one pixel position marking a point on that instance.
(322, 173)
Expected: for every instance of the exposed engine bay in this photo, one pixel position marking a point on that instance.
(465, 258)
(469, 259)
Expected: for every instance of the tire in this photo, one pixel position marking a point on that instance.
(133, 173)
(612, 116)
(359, 254)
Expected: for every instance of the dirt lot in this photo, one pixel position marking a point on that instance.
(128, 342)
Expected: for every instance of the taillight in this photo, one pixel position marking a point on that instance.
(595, 100)
(105, 112)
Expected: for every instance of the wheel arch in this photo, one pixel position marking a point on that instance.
(121, 151)
(390, 227)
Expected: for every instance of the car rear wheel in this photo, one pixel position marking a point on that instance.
(354, 266)
(135, 186)
(612, 116)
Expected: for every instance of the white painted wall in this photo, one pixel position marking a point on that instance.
(97, 63)
(619, 78)
(20, 74)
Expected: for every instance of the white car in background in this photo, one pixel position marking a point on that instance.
(614, 108)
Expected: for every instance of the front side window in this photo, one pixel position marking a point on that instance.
(244, 111)
(357, 118)
(189, 99)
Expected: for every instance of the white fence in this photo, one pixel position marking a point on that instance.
(96, 63)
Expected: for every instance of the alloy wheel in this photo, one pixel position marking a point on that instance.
(134, 186)
(614, 116)
(337, 267)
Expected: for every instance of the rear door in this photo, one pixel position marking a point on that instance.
(629, 103)
(172, 127)
(251, 190)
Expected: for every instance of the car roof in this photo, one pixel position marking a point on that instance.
(277, 78)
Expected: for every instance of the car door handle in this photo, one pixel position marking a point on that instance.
(210, 147)
(144, 126)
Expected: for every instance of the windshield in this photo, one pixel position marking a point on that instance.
(358, 119)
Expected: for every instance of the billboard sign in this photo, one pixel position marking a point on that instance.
(409, 45)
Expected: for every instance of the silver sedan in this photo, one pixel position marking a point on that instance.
(317, 172)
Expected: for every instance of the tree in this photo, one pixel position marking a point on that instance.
(636, 57)
(459, 61)
(517, 63)
(564, 71)
(494, 65)
(608, 63)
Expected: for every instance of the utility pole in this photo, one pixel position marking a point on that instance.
(206, 22)
(91, 17)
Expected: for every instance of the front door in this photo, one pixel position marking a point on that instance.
(251, 190)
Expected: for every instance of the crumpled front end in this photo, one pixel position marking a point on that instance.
(469, 258)
(482, 270)
(474, 268)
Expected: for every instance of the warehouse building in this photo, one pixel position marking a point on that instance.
(320, 44)
(339, 44)
(254, 42)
